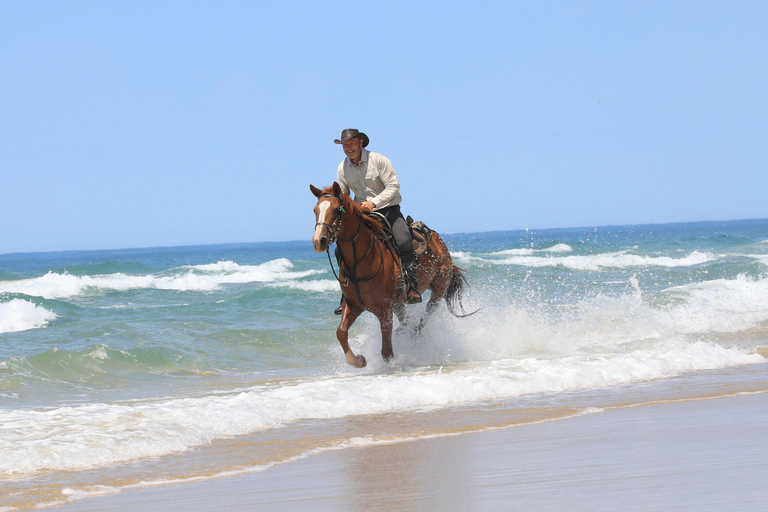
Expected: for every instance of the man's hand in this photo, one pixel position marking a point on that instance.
(368, 206)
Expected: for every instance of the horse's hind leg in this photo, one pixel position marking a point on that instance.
(439, 287)
(431, 307)
(342, 334)
(401, 317)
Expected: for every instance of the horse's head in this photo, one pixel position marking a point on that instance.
(329, 214)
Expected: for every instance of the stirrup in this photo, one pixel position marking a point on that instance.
(413, 296)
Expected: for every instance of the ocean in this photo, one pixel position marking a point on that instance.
(128, 368)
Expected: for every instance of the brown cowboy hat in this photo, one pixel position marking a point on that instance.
(351, 133)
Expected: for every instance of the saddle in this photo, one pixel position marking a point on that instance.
(421, 235)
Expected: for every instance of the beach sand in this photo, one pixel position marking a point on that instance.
(708, 454)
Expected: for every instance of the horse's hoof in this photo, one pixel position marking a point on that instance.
(364, 362)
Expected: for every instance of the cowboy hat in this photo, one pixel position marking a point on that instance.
(351, 133)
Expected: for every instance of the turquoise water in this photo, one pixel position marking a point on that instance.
(123, 367)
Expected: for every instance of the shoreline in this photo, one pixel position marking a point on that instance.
(704, 454)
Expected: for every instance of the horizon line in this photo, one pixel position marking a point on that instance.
(183, 246)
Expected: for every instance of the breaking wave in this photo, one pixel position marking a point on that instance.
(204, 278)
(596, 262)
(21, 315)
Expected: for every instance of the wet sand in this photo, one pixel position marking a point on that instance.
(693, 455)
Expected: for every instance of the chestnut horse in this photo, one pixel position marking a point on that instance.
(369, 271)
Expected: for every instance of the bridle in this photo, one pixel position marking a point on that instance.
(350, 273)
(334, 232)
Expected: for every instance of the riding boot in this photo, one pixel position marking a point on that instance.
(339, 310)
(412, 295)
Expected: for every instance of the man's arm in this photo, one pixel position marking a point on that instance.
(388, 177)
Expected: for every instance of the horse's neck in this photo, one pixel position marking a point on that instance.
(354, 228)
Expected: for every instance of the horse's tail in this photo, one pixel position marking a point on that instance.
(455, 291)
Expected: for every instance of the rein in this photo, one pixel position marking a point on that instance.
(351, 270)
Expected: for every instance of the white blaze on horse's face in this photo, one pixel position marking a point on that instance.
(322, 216)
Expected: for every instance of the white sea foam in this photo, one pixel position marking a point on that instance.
(231, 266)
(596, 262)
(511, 252)
(555, 249)
(318, 285)
(99, 434)
(196, 278)
(559, 248)
(762, 258)
(721, 305)
(593, 326)
(20, 315)
(505, 352)
(89, 491)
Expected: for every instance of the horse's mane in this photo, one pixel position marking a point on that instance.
(376, 226)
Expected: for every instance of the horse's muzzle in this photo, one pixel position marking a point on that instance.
(320, 243)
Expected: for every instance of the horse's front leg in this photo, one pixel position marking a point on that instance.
(385, 320)
(342, 334)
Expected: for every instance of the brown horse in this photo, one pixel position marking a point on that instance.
(369, 271)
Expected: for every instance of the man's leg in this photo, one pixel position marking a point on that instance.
(407, 258)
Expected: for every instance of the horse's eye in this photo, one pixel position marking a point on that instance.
(336, 211)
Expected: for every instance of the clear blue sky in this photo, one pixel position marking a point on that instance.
(139, 124)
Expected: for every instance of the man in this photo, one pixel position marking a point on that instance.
(373, 180)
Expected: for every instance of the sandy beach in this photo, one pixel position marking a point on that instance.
(705, 454)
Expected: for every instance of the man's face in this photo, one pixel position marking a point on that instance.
(353, 148)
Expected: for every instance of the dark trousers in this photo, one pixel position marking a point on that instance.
(400, 230)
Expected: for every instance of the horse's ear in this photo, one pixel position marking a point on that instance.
(315, 190)
(336, 188)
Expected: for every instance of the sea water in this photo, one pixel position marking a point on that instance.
(126, 368)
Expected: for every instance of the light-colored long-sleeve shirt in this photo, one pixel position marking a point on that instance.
(373, 179)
